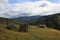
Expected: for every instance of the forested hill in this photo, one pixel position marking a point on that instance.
(52, 21)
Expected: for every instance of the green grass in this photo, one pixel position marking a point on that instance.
(45, 34)
(34, 33)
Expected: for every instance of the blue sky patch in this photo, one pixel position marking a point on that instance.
(21, 1)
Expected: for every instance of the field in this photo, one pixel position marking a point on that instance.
(34, 33)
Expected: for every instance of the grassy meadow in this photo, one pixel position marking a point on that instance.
(34, 33)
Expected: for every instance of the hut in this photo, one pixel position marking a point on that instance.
(42, 26)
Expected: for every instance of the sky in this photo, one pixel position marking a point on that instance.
(20, 1)
(18, 8)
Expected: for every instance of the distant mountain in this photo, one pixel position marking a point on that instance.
(29, 19)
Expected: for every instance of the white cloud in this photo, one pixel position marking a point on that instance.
(28, 9)
(4, 1)
(37, 8)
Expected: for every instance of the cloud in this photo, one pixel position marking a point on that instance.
(10, 10)
(4, 1)
(37, 8)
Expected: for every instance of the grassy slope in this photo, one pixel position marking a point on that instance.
(33, 34)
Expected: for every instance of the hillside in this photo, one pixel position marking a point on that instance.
(39, 19)
(33, 34)
(6, 20)
(51, 21)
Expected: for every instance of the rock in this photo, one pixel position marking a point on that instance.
(23, 27)
(11, 26)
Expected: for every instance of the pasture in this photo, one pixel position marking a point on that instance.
(34, 33)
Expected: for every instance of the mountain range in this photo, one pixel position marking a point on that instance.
(27, 18)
